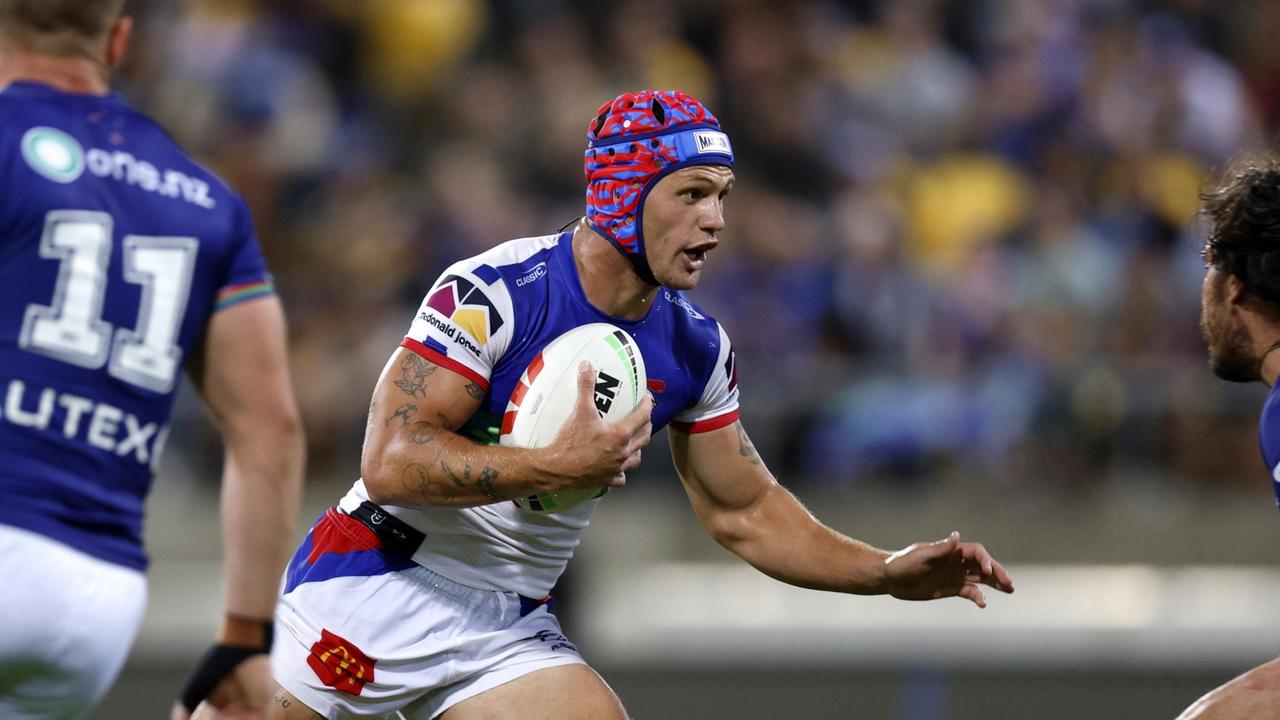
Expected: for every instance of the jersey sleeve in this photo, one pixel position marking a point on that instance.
(465, 322)
(247, 275)
(1269, 438)
(718, 405)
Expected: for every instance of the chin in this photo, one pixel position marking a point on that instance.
(1234, 368)
(680, 280)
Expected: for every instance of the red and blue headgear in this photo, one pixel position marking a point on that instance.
(636, 140)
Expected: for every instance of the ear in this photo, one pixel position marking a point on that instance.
(118, 40)
(1236, 292)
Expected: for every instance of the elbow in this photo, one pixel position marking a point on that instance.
(377, 481)
(731, 530)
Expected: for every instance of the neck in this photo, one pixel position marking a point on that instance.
(73, 74)
(607, 278)
(1269, 368)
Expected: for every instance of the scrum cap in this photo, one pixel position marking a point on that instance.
(634, 141)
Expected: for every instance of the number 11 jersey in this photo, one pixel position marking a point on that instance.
(115, 250)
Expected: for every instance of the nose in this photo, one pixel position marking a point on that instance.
(712, 216)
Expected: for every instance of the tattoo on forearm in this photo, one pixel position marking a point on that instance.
(460, 481)
(487, 476)
(421, 433)
(463, 479)
(414, 372)
(282, 699)
(475, 391)
(745, 448)
(417, 479)
(405, 412)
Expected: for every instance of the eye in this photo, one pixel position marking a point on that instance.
(693, 193)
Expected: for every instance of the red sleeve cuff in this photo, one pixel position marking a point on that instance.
(706, 424)
(445, 362)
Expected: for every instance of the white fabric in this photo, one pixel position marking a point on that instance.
(433, 643)
(492, 547)
(67, 621)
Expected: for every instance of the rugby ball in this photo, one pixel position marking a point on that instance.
(548, 391)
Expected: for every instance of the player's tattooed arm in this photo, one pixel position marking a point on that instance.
(487, 477)
(418, 480)
(414, 372)
(422, 433)
(461, 483)
(405, 413)
(746, 448)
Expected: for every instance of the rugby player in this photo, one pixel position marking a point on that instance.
(1240, 319)
(122, 261)
(424, 591)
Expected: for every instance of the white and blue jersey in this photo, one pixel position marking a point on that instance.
(486, 318)
(1269, 438)
(115, 250)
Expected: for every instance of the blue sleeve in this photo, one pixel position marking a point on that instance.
(1269, 439)
(247, 274)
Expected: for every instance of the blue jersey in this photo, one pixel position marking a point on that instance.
(115, 249)
(486, 318)
(1269, 437)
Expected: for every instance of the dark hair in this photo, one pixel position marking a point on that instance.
(1244, 235)
(60, 27)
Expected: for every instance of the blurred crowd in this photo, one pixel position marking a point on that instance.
(962, 246)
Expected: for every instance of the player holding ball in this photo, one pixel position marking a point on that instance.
(424, 591)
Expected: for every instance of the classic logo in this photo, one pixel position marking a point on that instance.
(534, 273)
(462, 302)
(340, 664)
(681, 302)
(54, 154)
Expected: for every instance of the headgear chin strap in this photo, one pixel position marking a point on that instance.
(635, 140)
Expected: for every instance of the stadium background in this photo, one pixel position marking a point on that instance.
(960, 272)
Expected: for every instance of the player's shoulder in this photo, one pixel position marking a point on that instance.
(514, 264)
(156, 136)
(105, 138)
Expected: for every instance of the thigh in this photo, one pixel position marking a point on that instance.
(284, 706)
(67, 621)
(567, 692)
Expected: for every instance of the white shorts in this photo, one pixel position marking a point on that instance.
(362, 633)
(67, 621)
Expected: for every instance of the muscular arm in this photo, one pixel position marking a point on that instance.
(1255, 694)
(413, 457)
(743, 507)
(242, 374)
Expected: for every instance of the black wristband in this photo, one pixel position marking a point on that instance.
(216, 665)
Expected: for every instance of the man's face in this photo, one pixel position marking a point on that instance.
(683, 215)
(1230, 353)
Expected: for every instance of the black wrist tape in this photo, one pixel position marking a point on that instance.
(216, 665)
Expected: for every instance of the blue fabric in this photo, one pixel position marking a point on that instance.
(79, 435)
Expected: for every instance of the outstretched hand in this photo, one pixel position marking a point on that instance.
(945, 568)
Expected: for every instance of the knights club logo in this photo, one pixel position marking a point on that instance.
(462, 302)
